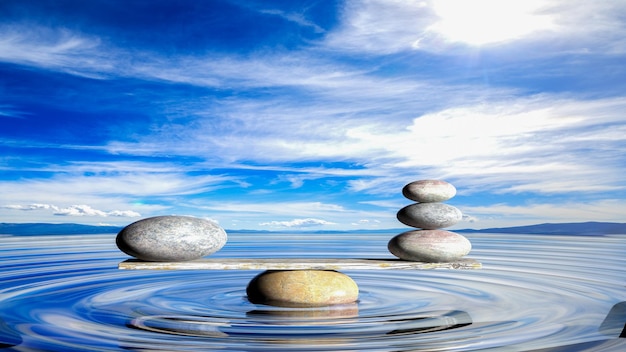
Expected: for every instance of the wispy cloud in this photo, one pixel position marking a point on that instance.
(286, 208)
(295, 17)
(297, 223)
(135, 184)
(381, 27)
(470, 22)
(11, 112)
(108, 186)
(73, 210)
(448, 26)
(531, 141)
(367, 223)
(55, 49)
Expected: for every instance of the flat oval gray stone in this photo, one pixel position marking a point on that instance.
(171, 238)
(434, 246)
(429, 191)
(429, 216)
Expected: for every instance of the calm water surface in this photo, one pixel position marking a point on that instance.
(534, 293)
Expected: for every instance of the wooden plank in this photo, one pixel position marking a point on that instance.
(296, 264)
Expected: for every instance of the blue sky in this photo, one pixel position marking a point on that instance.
(279, 115)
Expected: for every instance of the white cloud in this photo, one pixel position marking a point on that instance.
(385, 27)
(469, 218)
(273, 207)
(11, 112)
(294, 17)
(30, 206)
(111, 184)
(489, 21)
(124, 213)
(541, 144)
(381, 26)
(366, 222)
(309, 222)
(80, 210)
(59, 49)
(72, 210)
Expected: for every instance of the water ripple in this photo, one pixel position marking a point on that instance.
(534, 292)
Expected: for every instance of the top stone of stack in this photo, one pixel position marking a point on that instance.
(429, 191)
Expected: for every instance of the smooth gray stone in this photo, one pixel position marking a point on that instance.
(171, 238)
(429, 216)
(429, 246)
(429, 191)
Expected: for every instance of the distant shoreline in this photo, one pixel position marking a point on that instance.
(579, 228)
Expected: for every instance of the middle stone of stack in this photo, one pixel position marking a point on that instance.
(429, 214)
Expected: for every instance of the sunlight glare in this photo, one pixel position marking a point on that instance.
(478, 22)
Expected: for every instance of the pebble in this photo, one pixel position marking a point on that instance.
(302, 288)
(429, 191)
(429, 216)
(171, 238)
(429, 246)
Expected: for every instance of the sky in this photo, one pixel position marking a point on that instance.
(311, 114)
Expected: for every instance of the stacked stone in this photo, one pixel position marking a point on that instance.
(429, 215)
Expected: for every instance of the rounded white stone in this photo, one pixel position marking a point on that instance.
(429, 246)
(171, 238)
(429, 216)
(429, 191)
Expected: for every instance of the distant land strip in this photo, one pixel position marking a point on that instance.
(578, 228)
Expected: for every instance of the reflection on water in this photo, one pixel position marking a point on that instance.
(534, 293)
(615, 322)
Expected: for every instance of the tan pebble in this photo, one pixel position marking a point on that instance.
(302, 288)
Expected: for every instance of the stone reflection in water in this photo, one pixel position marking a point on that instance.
(181, 325)
(430, 322)
(614, 324)
(338, 325)
(315, 316)
(303, 319)
(8, 336)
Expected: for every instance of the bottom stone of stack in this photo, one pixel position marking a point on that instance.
(302, 288)
(429, 246)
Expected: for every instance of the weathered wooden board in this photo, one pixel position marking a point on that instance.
(296, 264)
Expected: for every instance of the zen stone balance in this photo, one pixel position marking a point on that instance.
(181, 242)
(429, 243)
